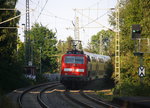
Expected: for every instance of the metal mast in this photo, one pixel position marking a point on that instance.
(76, 29)
(100, 45)
(27, 16)
(27, 37)
(117, 46)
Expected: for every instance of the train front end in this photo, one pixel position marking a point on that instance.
(73, 69)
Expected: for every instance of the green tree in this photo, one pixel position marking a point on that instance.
(64, 46)
(132, 12)
(10, 68)
(104, 37)
(44, 48)
(69, 43)
(8, 37)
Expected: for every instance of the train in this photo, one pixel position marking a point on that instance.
(80, 67)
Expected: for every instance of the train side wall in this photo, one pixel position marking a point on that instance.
(96, 69)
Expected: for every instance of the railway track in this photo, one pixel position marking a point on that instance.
(39, 96)
(87, 101)
(98, 101)
(39, 100)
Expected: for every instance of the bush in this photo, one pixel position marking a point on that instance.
(132, 89)
(41, 79)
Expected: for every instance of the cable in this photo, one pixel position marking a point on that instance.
(41, 10)
(52, 14)
(41, 7)
(13, 17)
(94, 4)
(36, 3)
(1, 9)
(96, 19)
(57, 17)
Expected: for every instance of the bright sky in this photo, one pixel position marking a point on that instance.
(58, 15)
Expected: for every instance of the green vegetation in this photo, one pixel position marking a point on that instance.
(132, 89)
(106, 96)
(44, 49)
(64, 46)
(131, 12)
(12, 51)
(106, 37)
(10, 67)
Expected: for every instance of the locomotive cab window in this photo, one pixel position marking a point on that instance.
(74, 59)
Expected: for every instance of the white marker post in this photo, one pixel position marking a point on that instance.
(141, 71)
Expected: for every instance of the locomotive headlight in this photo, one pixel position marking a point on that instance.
(68, 69)
(79, 70)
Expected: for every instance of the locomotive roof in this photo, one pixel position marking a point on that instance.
(74, 52)
(97, 56)
(91, 55)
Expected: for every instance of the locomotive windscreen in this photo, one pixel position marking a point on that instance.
(74, 59)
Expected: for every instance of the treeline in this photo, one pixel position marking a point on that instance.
(12, 50)
(131, 12)
(10, 68)
(43, 43)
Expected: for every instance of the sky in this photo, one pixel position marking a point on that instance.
(59, 15)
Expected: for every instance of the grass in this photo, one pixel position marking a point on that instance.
(105, 95)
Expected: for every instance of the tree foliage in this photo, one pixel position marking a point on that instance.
(106, 37)
(8, 37)
(44, 48)
(64, 46)
(133, 12)
(10, 68)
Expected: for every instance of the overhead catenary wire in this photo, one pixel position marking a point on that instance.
(36, 4)
(94, 4)
(41, 10)
(14, 17)
(50, 14)
(9, 9)
(42, 7)
(2, 9)
(94, 21)
(65, 19)
(9, 27)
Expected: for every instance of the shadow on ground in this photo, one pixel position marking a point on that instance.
(99, 84)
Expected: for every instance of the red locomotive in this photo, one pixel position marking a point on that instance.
(78, 67)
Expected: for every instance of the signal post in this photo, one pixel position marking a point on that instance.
(136, 35)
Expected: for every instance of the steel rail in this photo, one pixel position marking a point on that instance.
(20, 97)
(39, 96)
(67, 94)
